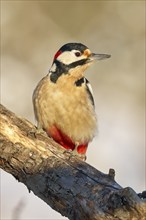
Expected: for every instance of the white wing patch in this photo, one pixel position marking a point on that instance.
(90, 91)
(89, 87)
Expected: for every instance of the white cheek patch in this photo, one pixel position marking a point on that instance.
(69, 57)
(53, 68)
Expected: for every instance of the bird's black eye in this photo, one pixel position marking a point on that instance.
(78, 54)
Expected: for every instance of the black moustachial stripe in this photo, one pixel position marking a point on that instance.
(60, 69)
(64, 69)
(78, 63)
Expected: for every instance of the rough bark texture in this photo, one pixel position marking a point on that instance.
(69, 185)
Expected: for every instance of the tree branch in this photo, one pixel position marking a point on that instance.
(68, 185)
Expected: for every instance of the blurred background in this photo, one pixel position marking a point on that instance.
(31, 33)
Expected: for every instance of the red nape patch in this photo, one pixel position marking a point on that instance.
(65, 141)
(57, 54)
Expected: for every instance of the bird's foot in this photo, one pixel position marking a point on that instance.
(82, 157)
(79, 155)
(68, 152)
(71, 153)
(35, 131)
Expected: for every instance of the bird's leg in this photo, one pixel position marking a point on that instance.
(72, 152)
(68, 153)
(76, 153)
(36, 130)
(39, 129)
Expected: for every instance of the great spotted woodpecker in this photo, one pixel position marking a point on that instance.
(63, 100)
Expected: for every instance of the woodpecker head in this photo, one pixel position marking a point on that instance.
(71, 56)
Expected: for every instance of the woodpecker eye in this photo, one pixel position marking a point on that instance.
(78, 54)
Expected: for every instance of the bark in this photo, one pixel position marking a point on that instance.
(69, 185)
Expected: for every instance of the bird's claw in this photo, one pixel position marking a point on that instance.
(34, 132)
(68, 153)
(71, 153)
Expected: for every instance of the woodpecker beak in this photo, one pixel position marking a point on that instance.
(94, 56)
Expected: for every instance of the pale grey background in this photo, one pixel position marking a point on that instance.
(31, 32)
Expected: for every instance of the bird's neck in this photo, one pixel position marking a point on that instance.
(60, 71)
